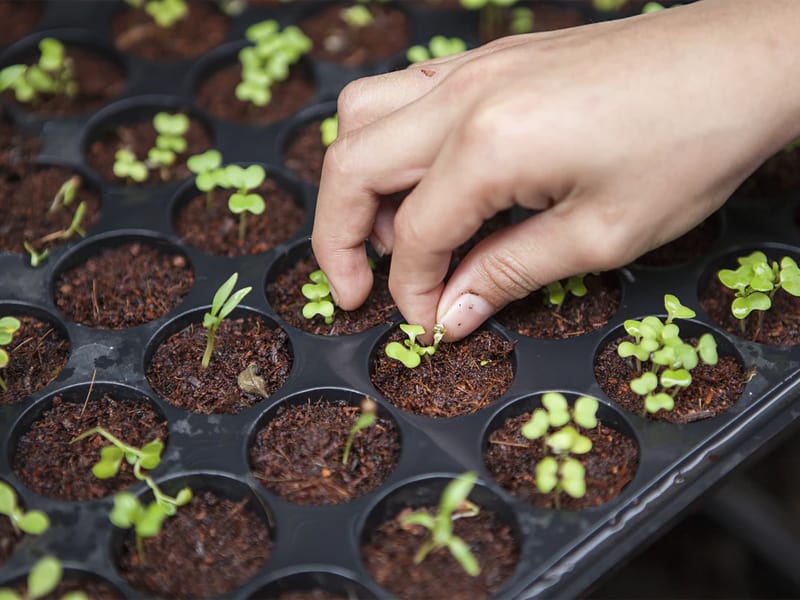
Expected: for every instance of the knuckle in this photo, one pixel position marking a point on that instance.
(408, 230)
(350, 104)
(506, 274)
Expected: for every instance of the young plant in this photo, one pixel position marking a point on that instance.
(223, 303)
(37, 258)
(366, 419)
(671, 359)
(33, 522)
(608, 5)
(320, 301)
(410, 353)
(74, 228)
(128, 167)
(453, 504)
(43, 578)
(164, 12)
(329, 130)
(244, 200)
(206, 167)
(357, 16)
(556, 293)
(755, 283)
(170, 141)
(51, 76)
(439, 46)
(8, 327)
(66, 193)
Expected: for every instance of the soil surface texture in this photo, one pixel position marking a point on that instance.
(18, 18)
(284, 295)
(610, 465)
(175, 370)
(305, 152)
(47, 461)
(535, 317)
(389, 553)
(714, 389)
(210, 547)
(123, 286)
(8, 539)
(214, 229)
(16, 148)
(461, 378)
(94, 589)
(778, 175)
(298, 455)
(137, 33)
(693, 244)
(37, 353)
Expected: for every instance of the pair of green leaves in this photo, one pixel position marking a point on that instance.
(318, 294)
(568, 476)
(127, 166)
(147, 457)
(357, 16)
(244, 180)
(166, 12)
(43, 578)
(410, 353)
(329, 130)
(206, 166)
(556, 292)
(33, 522)
(170, 140)
(51, 75)
(8, 327)
(556, 413)
(147, 520)
(756, 281)
(223, 303)
(439, 46)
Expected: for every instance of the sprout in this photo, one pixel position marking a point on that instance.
(556, 293)
(43, 578)
(51, 76)
(357, 16)
(73, 229)
(127, 166)
(329, 130)
(521, 21)
(410, 352)
(206, 167)
(608, 5)
(146, 520)
(169, 142)
(66, 193)
(33, 522)
(243, 200)
(166, 12)
(792, 146)
(439, 46)
(366, 419)
(37, 258)
(223, 303)
(320, 301)
(8, 327)
(453, 504)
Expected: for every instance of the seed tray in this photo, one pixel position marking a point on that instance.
(562, 553)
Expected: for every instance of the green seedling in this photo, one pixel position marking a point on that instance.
(671, 359)
(164, 12)
(320, 301)
(453, 504)
(244, 200)
(223, 303)
(357, 16)
(43, 578)
(128, 167)
(170, 141)
(66, 193)
(51, 76)
(608, 5)
(32, 522)
(8, 327)
(74, 229)
(329, 130)
(556, 293)
(651, 7)
(37, 258)
(410, 353)
(206, 167)
(522, 20)
(146, 521)
(366, 419)
(492, 15)
(439, 46)
(792, 146)
(755, 283)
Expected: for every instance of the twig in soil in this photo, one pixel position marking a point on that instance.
(89, 393)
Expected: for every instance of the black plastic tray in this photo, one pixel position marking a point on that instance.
(562, 553)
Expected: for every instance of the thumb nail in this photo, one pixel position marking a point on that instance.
(466, 314)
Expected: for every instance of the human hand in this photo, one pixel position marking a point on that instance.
(623, 135)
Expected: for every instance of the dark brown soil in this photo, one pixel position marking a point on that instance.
(210, 547)
(298, 454)
(335, 41)
(534, 317)
(305, 151)
(16, 148)
(284, 295)
(25, 199)
(123, 286)
(779, 326)
(8, 539)
(693, 244)
(778, 175)
(18, 18)
(215, 229)
(176, 374)
(217, 95)
(461, 378)
(99, 81)
(496, 223)
(94, 589)
(610, 466)
(714, 389)
(140, 137)
(47, 462)
(137, 33)
(389, 552)
(37, 353)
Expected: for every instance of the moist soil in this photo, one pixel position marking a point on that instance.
(8, 539)
(298, 455)
(336, 41)
(610, 466)
(693, 244)
(210, 547)
(48, 463)
(140, 137)
(305, 152)
(284, 295)
(18, 18)
(137, 33)
(175, 370)
(16, 148)
(99, 82)
(37, 353)
(123, 286)
(714, 388)
(535, 317)
(26, 196)
(217, 95)
(94, 589)
(461, 378)
(214, 229)
(778, 175)
(779, 326)
(389, 552)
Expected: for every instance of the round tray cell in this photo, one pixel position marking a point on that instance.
(692, 245)
(713, 390)
(205, 220)
(211, 546)
(313, 585)
(778, 326)
(387, 34)
(40, 205)
(302, 148)
(388, 547)
(37, 353)
(10, 536)
(95, 70)
(47, 460)
(121, 282)
(512, 458)
(72, 581)
(19, 18)
(460, 378)
(215, 83)
(284, 293)
(297, 449)
(534, 316)
(137, 33)
(131, 127)
(17, 146)
(250, 361)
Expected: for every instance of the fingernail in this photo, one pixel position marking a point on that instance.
(465, 315)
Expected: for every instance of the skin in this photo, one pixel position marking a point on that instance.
(624, 135)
